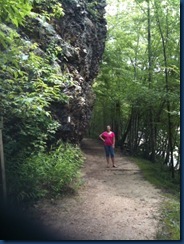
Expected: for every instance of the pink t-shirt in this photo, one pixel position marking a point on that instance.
(108, 137)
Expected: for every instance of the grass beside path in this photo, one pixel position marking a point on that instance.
(160, 176)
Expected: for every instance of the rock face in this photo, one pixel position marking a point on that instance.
(81, 34)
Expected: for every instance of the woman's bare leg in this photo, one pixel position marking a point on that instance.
(113, 163)
(108, 162)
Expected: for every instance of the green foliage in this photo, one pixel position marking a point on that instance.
(29, 84)
(170, 221)
(14, 11)
(48, 9)
(92, 9)
(45, 174)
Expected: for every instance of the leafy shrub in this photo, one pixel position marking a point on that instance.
(45, 174)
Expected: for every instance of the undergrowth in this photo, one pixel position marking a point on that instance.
(160, 176)
(47, 174)
(170, 221)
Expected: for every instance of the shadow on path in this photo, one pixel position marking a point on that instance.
(112, 203)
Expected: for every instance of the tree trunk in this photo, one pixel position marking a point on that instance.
(164, 42)
(151, 118)
(127, 130)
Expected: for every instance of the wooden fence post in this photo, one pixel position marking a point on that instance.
(2, 162)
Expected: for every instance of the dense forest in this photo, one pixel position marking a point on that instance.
(51, 54)
(138, 88)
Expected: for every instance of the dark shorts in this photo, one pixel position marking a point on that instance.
(109, 151)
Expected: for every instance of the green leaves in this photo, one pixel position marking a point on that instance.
(46, 174)
(14, 11)
(48, 9)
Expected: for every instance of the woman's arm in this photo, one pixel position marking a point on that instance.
(101, 137)
(113, 143)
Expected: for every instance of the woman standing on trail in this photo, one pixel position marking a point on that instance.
(108, 137)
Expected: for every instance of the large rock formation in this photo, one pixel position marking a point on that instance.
(81, 34)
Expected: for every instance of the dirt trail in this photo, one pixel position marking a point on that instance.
(113, 204)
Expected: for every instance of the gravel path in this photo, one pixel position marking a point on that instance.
(113, 204)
